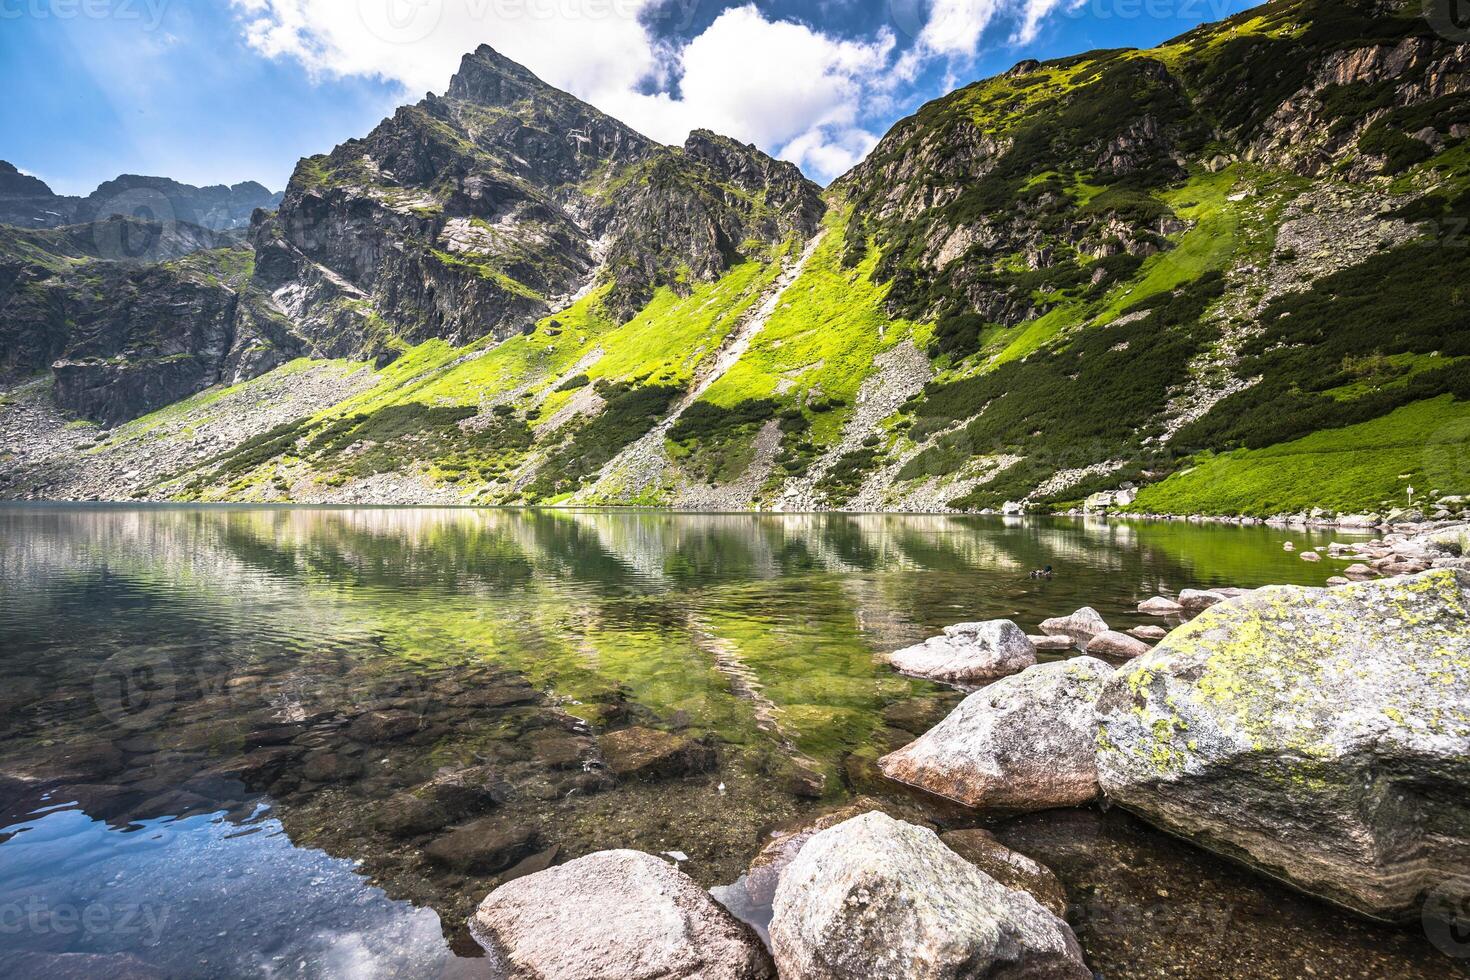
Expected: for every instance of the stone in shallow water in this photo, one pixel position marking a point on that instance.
(615, 915)
(1160, 606)
(485, 846)
(1119, 646)
(917, 715)
(1196, 601)
(1081, 626)
(1052, 644)
(1010, 868)
(647, 753)
(968, 653)
(1319, 735)
(1024, 743)
(877, 898)
(383, 726)
(1151, 633)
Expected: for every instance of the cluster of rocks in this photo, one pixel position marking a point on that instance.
(1320, 736)
(867, 896)
(1445, 510)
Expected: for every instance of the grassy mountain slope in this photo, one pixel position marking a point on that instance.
(1230, 270)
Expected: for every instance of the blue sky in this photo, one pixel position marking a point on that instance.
(219, 91)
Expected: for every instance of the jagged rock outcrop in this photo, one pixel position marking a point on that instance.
(131, 316)
(1321, 736)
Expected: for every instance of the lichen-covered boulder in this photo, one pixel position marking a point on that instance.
(1321, 736)
(615, 915)
(877, 898)
(969, 653)
(1024, 743)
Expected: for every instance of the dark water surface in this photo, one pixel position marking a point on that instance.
(192, 784)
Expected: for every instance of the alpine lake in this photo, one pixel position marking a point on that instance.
(210, 718)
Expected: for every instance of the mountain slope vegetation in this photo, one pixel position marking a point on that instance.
(1188, 269)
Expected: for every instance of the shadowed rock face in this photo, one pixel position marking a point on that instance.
(1320, 736)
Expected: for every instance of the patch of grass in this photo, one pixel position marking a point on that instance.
(1355, 469)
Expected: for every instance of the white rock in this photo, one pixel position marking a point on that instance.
(1081, 626)
(1319, 735)
(969, 653)
(1160, 606)
(615, 915)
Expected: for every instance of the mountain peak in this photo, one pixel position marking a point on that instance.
(488, 77)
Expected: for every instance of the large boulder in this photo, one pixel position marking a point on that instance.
(969, 653)
(877, 898)
(615, 915)
(1321, 736)
(1024, 743)
(1080, 627)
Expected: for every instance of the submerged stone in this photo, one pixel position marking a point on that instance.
(1010, 868)
(647, 753)
(1321, 736)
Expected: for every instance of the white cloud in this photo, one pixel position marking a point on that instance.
(796, 92)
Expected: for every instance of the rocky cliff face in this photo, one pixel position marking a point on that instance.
(27, 202)
(476, 213)
(131, 316)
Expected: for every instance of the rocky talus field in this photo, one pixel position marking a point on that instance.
(1222, 276)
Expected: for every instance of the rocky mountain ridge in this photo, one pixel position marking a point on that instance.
(1216, 276)
(28, 202)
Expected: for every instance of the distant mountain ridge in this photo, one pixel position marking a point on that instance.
(27, 202)
(1221, 275)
